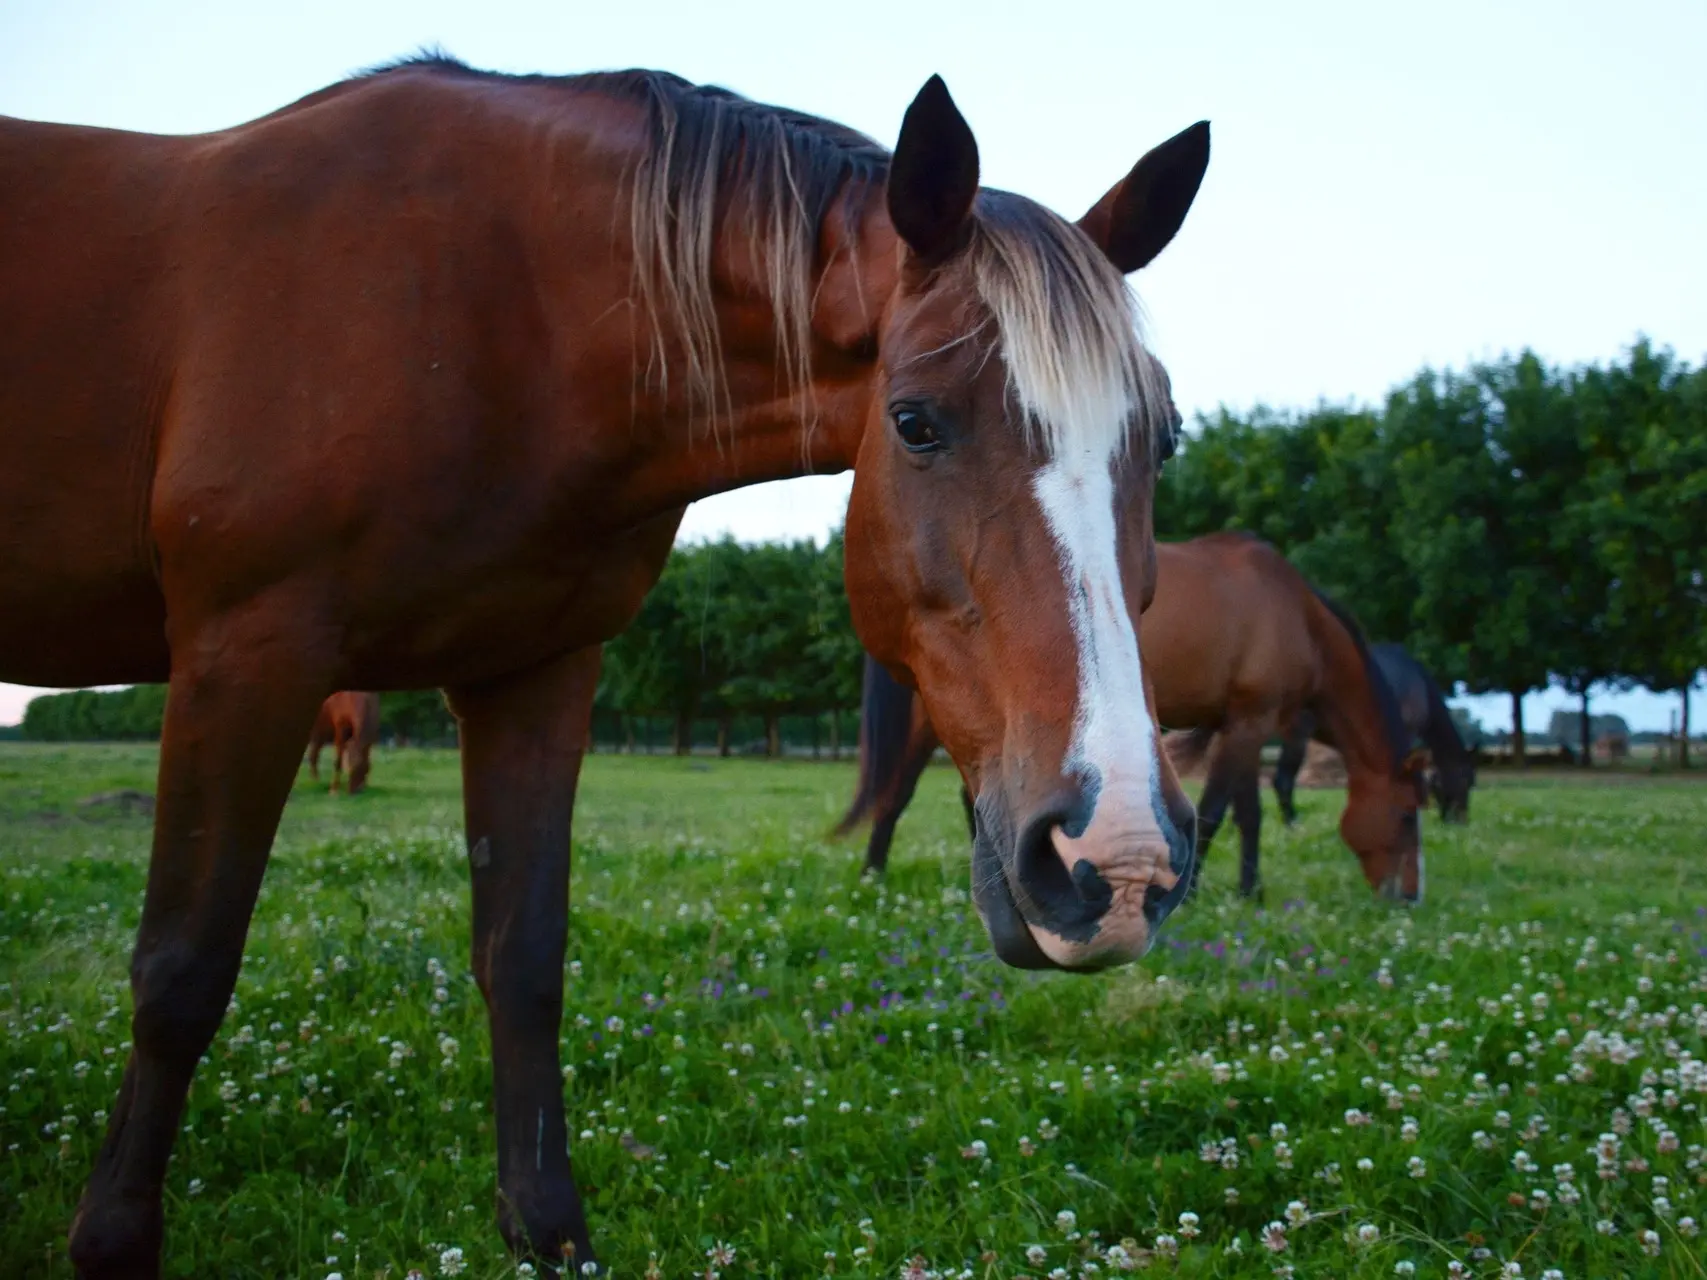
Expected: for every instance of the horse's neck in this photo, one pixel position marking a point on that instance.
(1347, 701)
(767, 427)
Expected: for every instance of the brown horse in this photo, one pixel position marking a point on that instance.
(350, 722)
(408, 384)
(1236, 643)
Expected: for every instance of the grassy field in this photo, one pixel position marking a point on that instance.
(826, 1076)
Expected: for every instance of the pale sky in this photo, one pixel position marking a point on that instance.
(1391, 185)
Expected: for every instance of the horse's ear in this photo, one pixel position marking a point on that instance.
(1143, 211)
(933, 177)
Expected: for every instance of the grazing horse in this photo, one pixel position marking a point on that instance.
(1427, 718)
(1235, 643)
(408, 384)
(350, 722)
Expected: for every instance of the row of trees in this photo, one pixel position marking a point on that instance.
(739, 631)
(1517, 525)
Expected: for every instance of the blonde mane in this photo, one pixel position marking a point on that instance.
(1067, 322)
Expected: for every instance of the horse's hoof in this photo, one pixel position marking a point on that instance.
(543, 1222)
(114, 1238)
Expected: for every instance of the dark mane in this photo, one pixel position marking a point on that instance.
(712, 102)
(1398, 737)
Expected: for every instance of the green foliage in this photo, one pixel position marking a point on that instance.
(419, 716)
(90, 715)
(1513, 525)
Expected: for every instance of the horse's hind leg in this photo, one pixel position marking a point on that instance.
(361, 764)
(1292, 753)
(890, 807)
(522, 742)
(1211, 808)
(340, 744)
(238, 712)
(1247, 813)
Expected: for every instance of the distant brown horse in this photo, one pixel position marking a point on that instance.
(408, 385)
(1236, 643)
(350, 722)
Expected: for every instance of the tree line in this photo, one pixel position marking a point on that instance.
(1516, 525)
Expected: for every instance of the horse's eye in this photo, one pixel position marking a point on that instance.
(917, 432)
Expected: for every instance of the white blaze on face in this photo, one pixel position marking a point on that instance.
(1114, 741)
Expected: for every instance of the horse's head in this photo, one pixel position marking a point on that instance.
(999, 544)
(1381, 825)
(1451, 784)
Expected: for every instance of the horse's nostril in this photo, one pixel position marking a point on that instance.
(1095, 892)
(1156, 904)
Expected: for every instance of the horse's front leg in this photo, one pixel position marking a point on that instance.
(245, 687)
(522, 742)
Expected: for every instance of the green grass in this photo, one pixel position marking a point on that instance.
(822, 1066)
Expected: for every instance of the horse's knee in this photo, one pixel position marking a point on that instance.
(179, 997)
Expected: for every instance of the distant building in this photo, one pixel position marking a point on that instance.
(1566, 728)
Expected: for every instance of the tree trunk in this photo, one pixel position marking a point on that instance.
(1587, 735)
(628, 733)
(723, 736)
(684, 734)
(1683, 738)
(836, 734)
(817, 724)
(773, 735)
(1517, 729)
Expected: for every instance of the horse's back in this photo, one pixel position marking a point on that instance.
(1227, 628)
(1410, 682)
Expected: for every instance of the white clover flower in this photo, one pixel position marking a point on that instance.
(1188, 1225)
(1405, 1268)
(1651, 1243)
(1365, 1164)
(1274, 1237)
(1066, 1220)
(1035, 1254)
(1368, 1233)
(451, 1263)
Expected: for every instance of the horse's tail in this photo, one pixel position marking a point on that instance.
(1186, 750)
(885, 723)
